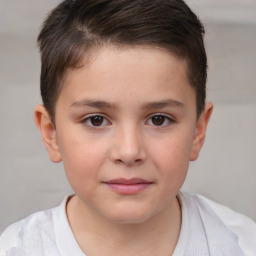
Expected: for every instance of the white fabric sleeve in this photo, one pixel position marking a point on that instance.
(241, 225)
(9, 237)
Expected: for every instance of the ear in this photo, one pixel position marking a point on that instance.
(200, 131)
(48, 133)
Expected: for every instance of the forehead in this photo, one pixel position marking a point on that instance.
(115, 72)
(103, 55)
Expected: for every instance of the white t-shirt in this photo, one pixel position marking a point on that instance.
(207, 229)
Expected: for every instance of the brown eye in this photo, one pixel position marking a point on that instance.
(96, 121)
(158, 120)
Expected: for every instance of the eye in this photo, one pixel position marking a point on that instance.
(159, 120)
(96, 121)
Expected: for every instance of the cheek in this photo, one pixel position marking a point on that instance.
(82, 160)
(171, 157)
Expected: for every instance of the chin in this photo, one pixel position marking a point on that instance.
(129, 216)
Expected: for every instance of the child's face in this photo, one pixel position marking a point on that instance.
(126, 129)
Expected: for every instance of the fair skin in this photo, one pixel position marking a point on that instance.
(126, 129)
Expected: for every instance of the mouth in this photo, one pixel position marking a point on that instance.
(128, 186)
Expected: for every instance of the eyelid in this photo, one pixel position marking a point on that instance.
(86, 117)
(170, 118)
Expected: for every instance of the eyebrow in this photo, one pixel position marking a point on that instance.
(93, 103)
(163, 104)
(150, 105)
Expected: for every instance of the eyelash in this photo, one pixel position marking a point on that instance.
(88, 118)
(167, 119)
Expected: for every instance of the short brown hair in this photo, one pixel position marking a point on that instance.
(75, 26)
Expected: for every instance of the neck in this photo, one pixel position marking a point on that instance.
(97, 235)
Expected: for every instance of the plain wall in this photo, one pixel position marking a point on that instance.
(226, 168)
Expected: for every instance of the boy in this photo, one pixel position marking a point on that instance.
(123, 87)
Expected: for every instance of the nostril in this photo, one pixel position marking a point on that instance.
(118, 161)
(122, 161)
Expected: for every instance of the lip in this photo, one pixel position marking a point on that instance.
(128, 186)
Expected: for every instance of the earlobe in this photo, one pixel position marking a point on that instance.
(200, 131)
(48, 133)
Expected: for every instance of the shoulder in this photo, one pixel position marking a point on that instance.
(243, 227)
(22, 233)
(35, 234)
(9, 237)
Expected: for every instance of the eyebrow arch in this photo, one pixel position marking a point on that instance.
(163, 103)
(93, 103)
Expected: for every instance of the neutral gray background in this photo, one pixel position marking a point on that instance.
(226, 169)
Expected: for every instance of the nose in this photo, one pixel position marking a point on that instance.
(128, 147)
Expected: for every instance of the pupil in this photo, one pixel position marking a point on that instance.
(158, 120)
(97, 120)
